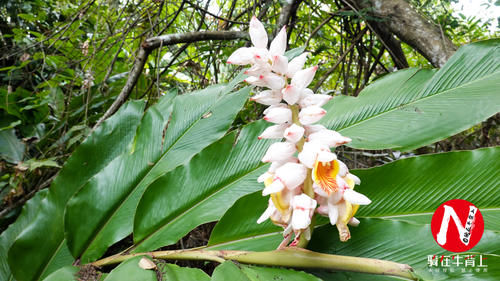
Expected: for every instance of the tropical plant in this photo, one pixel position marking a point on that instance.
(157, 174)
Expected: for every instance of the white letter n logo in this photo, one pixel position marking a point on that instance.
(464, 231)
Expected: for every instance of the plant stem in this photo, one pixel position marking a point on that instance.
(289, 257)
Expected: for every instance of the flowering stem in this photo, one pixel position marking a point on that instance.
(289, 257)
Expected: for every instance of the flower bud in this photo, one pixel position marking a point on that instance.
(303, 207)
(355, 197)
(278, 45)
(329, 137)
(241, 56)
(291, 94)
(294, 133)
(258, 34)
(279, 151)
(303, 78)
(280, 64)
(309, 99)
(268, 97)
(296, 64)
(278, 115)
(311, 114)
(291, 175)
(274, 132)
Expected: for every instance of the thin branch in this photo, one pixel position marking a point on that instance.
(155, 42)
(289, 257)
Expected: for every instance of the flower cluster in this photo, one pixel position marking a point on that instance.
(305, 176)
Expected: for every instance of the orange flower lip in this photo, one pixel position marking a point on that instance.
(325, 174)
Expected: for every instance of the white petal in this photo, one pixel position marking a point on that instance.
(280, 64)
(354, 178)
(314, 100)
(256, 81)
(311, 129)
(296, 64)
(335, 197)
(241, 56)
(294, 133)
(318, 190)
(333, 213)
(356, 197)
(268, 97)
(343, 170)
(264, 177)
(278, 115)
(279, 105)
(311, 115)
(291, 94)
(258, 33)
(261, 57)
(303, 201)
(308, 154)
(278, 45)
(303, 78)
(300, 219)
(276, 186)
(267, 213)
(274, 81)
(279, 151)
(353, 221)
(274, 132)
(275, 165)
(292, 174)
(326, 156)
(328, 137)
(258, 70)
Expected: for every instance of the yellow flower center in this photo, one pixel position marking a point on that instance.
(325, 174)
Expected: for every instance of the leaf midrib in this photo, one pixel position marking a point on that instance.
(415, 101)
(200, 202)
(122, 202)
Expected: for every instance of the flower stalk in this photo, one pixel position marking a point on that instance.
(289, 257)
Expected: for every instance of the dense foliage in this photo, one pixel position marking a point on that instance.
(187, 137)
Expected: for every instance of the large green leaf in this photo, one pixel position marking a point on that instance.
(230, 271)
(172, 272)
(130, 270)
(405, 243)
(101, 213)
(67, 273)
(412, 108)
(108, 141)
(28, 214)
(404, 193)
(201, 190)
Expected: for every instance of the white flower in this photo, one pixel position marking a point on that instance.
(278, 45)
(304, 77)
(278, 115)
(311, 115)
(280, 64)
(279, 151)
(274, 132)
(268, 97)
(291, 175)
(294, 133)
(303, 208)
(291, 94)
(242, 56)
(296, 64)
(313, 152)
(308, 98)
(328, 137)
(258, 34)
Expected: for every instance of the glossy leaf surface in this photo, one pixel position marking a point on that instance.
(412, 108)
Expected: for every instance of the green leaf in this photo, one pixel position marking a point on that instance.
(66, 273)
(396, 225)
(201, 190)
(412, 108)
(108, 141)
(230, 271)
(418, 185)
(101, 213)
(11, 148)
(405, 243)
(290, 54)
(130, 270)
(28, 214)
(172, 272)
